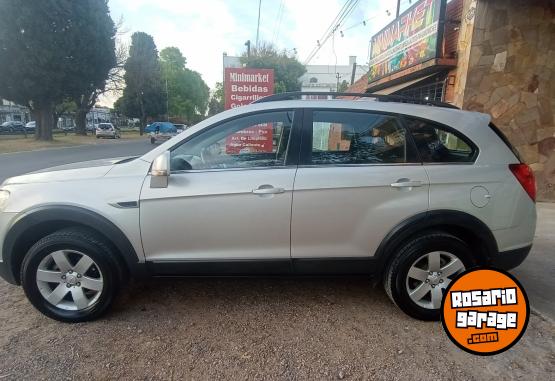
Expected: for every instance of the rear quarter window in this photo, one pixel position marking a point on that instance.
(439, 144)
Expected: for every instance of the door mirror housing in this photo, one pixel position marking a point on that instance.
(160, 171)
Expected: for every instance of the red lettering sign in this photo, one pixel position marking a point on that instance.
(241, 87)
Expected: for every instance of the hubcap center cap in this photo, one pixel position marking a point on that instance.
(434, 278)
(71, 279)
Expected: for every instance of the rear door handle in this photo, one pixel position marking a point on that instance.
(406, 183)
(268, 189)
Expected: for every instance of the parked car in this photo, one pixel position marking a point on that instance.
(161, 131)
(411, 195)
(180, 127)
(107, 130)
(12, 127)
(31, 126)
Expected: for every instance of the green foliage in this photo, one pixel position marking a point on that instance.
(287, 69)
(51, 50)
(143, 96)
(343, 86)
(187, 92)
(217, 102)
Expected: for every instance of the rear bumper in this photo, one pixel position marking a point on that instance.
(507, 260)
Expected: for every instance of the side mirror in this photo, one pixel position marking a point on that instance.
(160, 171)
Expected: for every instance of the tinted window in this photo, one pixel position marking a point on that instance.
(436, 144)
(253, 141)
(345, 137)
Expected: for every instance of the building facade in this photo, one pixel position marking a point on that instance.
(328, 78)
(493, 56)
(10, 112)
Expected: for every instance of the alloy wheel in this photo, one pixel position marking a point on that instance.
(429, 276)
(69, 280)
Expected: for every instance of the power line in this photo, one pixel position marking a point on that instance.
(328, 30)
(345, 11)
(278, 21)
(258, 25)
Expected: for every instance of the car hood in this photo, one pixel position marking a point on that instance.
(68, 172)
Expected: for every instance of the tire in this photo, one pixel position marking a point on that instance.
(104, 275)
(152, 141)
(419, 256)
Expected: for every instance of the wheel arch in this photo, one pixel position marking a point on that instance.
(465, 226)
(39, 222)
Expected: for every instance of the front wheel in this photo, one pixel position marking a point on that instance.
(71, 275)
(419, 274)
(152, 140)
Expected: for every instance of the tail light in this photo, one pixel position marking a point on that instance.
(525, 177)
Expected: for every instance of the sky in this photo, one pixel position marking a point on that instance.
(204, 29)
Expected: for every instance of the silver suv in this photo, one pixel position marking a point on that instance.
(410, 195)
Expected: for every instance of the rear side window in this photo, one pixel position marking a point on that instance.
(349, 137)
(437, 144)
(502, 136)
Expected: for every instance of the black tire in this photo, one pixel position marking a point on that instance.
(395, 280)
(152, 140)
(84, 241)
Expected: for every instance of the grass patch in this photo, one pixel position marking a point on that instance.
(19, 143)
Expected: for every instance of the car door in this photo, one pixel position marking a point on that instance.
(359, 176)
(227, 207)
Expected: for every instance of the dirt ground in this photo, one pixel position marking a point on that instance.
(253, 329)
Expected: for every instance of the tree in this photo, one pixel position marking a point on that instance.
(343, 86)
(49, 51)
(287, 69)
(143, 96)
(112, 81)
(187, 92)
(216, 103)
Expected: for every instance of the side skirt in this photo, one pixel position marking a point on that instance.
(267, 267)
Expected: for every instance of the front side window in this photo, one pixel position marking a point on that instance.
(437, 144)
(348, 137)
(259, 140)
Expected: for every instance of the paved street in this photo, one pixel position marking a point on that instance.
(13, 164)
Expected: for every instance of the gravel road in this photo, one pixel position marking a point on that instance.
(252, 329)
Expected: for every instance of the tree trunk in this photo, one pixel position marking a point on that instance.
(44, 119)
(81, 122)
(143, 119)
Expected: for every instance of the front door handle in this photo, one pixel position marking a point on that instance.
(406, 183)
(268, 189)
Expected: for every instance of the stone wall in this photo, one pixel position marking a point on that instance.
(511, 75)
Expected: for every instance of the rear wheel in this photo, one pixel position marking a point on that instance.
(418, 276)
(71, 275)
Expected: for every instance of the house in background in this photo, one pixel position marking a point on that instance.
(10, 112)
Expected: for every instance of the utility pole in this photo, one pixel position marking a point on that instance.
(398, 8)
(337, 76)
(167, 102)
(248, 45)
(258, 26)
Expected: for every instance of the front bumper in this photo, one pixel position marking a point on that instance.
(507, 260)
(106, 134)
(5, 266)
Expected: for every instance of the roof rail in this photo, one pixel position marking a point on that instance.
(378, 97)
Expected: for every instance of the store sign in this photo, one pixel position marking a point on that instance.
(410, 39)
(246, 85)
(243, 86)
